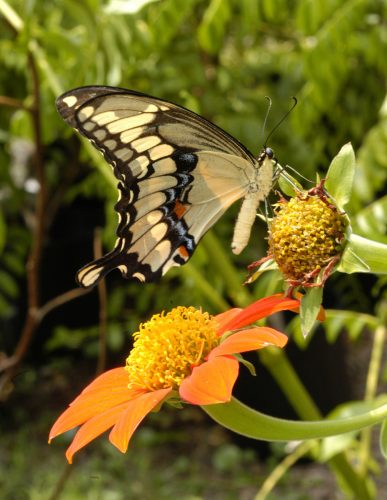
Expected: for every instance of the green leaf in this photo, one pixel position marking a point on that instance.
(351, 321)
(333, 445)
(340, 175)
(288, 184)
(125, 7)
(165, 19)
(371, 222)
(362, 255)
(250, 14)
(21, 125)
(8, 285)
(213, 26)
(310, 307)
(383, 439)
(335, 322)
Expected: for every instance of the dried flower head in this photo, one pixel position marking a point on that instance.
(307, 236)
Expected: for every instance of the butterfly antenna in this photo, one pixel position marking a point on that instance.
(282, 119)
(282, 173)
(268, 210)
(266, 117)
(288, 167)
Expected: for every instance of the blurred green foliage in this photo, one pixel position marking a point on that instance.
(219, 58)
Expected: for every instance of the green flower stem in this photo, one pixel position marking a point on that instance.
(220, 260)
(362, 255)
(243, 420)
(346, 475)
(370, 393)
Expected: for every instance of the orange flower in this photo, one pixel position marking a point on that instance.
(185, 353)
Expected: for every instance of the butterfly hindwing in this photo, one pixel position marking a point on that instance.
(177, 175)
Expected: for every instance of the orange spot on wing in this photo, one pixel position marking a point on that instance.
(179, 209)
(183, 252)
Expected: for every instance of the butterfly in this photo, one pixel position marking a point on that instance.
(177, 174)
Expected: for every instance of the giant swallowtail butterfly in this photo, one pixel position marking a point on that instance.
(177, 174)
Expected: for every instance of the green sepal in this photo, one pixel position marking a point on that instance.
(310, 307)
(268, 265)
(247, 364)
(340, 176)
(173, 399)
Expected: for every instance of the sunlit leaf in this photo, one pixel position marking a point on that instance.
(213, 26)
(372, 221)
(126, 6)
(362, 255)
(331, 446)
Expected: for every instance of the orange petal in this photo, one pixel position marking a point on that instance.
(260, 309)
(212, 382)
(93, 428)
(321, 316)
(112, 381)
(111, 378)
(107, 391)
(225, 317)
(135, 411)
(249, 340)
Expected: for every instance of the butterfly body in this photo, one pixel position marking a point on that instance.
(177, 174)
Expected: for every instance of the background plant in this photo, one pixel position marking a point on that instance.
(219, 58)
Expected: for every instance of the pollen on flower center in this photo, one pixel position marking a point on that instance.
(168, 346)
(305, 234)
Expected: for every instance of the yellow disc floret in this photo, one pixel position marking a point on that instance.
(168, 346)
(305, 235)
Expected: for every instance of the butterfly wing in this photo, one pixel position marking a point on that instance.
(177, 174)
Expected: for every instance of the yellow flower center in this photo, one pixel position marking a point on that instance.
(305, 234)
(168, 346)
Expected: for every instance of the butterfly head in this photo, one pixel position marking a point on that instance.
(266, 153)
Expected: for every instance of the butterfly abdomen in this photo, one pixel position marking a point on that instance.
(259, 190)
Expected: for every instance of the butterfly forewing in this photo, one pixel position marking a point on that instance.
(177, 175)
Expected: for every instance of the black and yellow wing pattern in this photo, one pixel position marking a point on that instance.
(177, 174)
